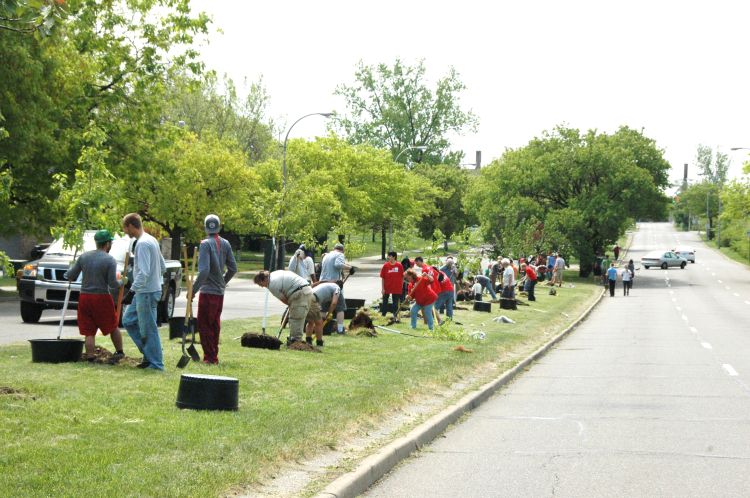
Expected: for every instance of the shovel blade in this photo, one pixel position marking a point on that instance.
(193, 353)
(184, 360)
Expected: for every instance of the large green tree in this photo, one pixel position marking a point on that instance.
(571, 191)
(393, 107)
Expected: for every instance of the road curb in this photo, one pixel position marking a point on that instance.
(377, 465)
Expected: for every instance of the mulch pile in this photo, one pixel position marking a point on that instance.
(15, 393)
(303, 346)
(362, 323)
(262, 341)
(460, 348)
(103, 356)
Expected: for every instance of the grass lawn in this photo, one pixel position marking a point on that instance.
(85, 430)
(7, 282)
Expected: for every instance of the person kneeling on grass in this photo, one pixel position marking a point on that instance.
(423, 295)
(96, 308)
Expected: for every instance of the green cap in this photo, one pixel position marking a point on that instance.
(102, 236)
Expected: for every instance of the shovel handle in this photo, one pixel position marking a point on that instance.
(121, 292)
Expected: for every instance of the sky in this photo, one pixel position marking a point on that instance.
(676, 69)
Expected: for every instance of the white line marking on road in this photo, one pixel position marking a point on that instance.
(678, 308)
(685, 318)
(693, 330)
(720, 281)
(706, 345)
(735, 294)
(713, 274)
(728, 368)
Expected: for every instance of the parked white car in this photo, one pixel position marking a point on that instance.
(685, 252)
(663, 259)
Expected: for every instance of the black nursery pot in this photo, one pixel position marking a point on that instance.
(177, 322)
(208, 392)
(56, 350)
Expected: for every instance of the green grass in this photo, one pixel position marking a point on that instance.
(86, 430)
(7, 282)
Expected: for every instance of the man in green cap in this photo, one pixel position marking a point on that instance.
(96, 308)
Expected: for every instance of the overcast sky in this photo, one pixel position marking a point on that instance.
(677, 69)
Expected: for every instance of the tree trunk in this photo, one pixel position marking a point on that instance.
(445, 245)
(176, 236)
(586, 257)
(382, 241)
(373, 233)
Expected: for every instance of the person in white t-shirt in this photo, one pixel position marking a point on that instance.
(627, 281)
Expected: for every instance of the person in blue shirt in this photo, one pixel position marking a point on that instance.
(612, 279)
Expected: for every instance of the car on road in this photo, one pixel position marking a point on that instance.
(663, 259)
(42, 283)
(685, 252)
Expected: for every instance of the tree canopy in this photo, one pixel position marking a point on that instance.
(570, 191)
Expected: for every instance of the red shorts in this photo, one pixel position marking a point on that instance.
(96, 312)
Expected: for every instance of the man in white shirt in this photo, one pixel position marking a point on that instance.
(302, 264)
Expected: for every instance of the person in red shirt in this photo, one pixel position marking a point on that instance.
(445, 299)
(531, 279)
(431, 270)
(423, 294)
(392, 279)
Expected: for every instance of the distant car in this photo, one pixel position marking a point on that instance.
(685, 252)
(663, 259)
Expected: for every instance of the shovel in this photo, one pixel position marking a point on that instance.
(191, 349)
(122, 289)
(185, 359)
(284, 321)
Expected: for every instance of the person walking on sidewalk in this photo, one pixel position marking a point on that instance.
(292, 290)
(612, 279)
(148, 270)
(627, 280)
(392, 278)
(96, 307)
(214, 256)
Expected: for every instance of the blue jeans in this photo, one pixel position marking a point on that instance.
(427, 310)
(140, 321)
(488, 286)
(445, 302)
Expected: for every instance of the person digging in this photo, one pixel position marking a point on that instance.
(96, 307)
(326, 296)
(292, 290)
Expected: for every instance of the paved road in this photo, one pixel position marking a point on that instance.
(243, 299)
(649, 397)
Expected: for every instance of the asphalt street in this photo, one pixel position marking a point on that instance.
(650, 396)
(243, 299)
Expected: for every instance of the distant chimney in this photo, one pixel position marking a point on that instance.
(478, 162)
(684, 175)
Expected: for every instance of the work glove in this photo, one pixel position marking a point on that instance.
(124, 280)
(352, 270)
(329, 316)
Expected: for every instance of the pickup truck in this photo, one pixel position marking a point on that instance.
(42, 284)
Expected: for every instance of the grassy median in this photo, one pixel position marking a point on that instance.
(85, 430)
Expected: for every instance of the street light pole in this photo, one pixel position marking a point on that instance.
(279, 254)
(390, 222)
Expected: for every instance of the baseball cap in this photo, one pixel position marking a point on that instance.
(339, 246)
(212, 224)
(102, 236)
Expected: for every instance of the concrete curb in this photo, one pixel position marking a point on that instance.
(376, 466)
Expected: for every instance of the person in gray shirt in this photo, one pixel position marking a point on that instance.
(332, 270)
(96, 308)
(292, 290)
(148, 274)
(215, 254)
(327, 298)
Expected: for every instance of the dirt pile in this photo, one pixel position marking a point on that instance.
(15, 393)
(102, 356)
(363, 322)
(303, 346)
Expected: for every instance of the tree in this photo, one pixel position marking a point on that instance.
(570, 191)
(450, 216)
(33, 16)
(189, 177)
(713, 167)
(391, 107)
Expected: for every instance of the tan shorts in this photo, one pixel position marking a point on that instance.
(314, 314)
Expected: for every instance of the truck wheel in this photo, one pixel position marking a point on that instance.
(166, 307)
(31, 312)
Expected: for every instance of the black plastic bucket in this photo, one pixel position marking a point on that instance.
(482, 306)
(208, 392)
(354, 303)
(56, 350)
(177, 322)
(350, 313)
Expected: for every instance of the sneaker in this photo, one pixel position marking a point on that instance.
(143, 364)
(319, 343)
(117, 357)
(342, 332)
